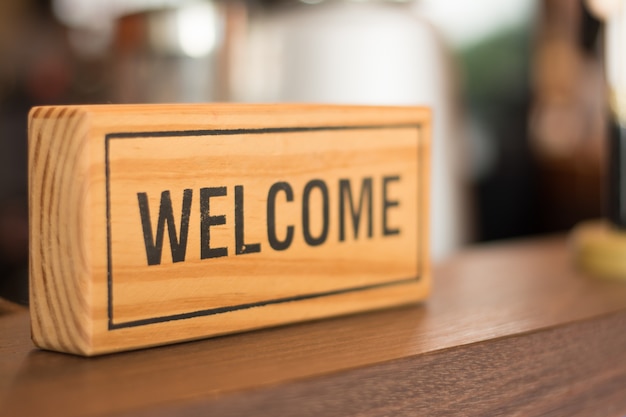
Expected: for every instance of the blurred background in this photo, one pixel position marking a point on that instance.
(516, 88)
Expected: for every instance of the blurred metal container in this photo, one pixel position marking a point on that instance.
(175, 54)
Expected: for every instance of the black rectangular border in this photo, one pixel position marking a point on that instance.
(230, 132)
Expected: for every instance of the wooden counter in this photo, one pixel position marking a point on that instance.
(511, 329)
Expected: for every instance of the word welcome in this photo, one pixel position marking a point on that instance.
(359, 211)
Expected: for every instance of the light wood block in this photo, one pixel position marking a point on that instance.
(153, 224)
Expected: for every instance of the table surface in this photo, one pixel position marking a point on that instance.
(511, 328)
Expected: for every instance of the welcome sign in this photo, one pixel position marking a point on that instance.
(153, 224)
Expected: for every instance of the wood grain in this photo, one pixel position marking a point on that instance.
(59, 263)
(510, 329)
(153, 224)
(574, 370)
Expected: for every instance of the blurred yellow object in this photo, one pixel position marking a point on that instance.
(600, 249)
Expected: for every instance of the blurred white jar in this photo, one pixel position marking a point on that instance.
(361, 52)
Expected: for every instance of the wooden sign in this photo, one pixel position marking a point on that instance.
(153, 224)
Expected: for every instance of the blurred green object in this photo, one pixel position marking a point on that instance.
(496, 73)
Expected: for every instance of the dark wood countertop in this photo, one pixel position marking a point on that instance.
(510, 329)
